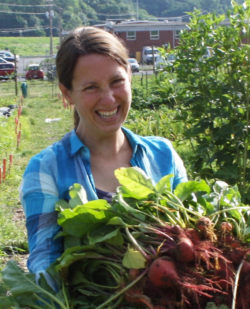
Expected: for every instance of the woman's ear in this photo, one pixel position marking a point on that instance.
(66, 93)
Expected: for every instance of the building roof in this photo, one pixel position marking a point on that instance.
(146, 25)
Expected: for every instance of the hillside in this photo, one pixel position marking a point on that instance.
(39, 17)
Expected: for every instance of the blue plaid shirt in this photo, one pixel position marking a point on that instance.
(50, 173)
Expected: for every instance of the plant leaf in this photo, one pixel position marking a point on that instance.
(164, 184)
(133, 259)
(18, 281)
(184, 190)
(77, 195)
(116, 221)
(103, 233)
(135, 183)
(8, 302)
(85, 218)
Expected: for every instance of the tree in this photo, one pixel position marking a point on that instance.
(213, 99)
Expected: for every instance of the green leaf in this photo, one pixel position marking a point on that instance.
(184, 190)
(133, 259)
(78, 195)
(211, 305)
(220, 186)
(8, 302)
(24, 289)
(117, 240)
(116, 221)
(62, 204)
(134, 182)
(101, 234)
(164, 184)
(85, 218)
(18, 281)
(74, 254)
(121, 206)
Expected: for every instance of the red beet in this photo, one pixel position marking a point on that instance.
(162, 273)
(193, 235)
(243, 300)
(185, 250)
(226, 227)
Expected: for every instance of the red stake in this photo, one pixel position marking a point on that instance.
(4, 169)
(11, 159)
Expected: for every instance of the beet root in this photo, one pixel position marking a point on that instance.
(163, 274)
(185, 250)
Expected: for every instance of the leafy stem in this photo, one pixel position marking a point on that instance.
(135, 243)
(126, 288)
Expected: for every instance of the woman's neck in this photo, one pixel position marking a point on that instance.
(106, 144)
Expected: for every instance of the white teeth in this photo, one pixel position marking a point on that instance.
(108, 114)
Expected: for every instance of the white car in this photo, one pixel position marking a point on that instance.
(165, 61)
(2, 60)
(134, 65)
(7, 55)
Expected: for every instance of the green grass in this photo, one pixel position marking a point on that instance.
(41, 103)
(29, 46)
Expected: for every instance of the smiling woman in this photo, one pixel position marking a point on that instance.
(95, 78)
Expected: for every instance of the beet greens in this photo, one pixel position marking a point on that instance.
(150, 248)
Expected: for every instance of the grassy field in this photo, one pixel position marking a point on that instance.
(29, 46)
(41, 104)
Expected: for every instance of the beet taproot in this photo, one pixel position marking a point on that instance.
(162, 273)
(185, 250)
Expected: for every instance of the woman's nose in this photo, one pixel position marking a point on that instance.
(107, 95)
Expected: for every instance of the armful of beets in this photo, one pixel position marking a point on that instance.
(149, 247)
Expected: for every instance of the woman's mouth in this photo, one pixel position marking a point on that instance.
(108, 114)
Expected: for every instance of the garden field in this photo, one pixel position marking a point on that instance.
(36, 134)
(29, 46)
(201, 104)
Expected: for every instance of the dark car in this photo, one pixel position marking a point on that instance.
(34, 72)
(6, 70)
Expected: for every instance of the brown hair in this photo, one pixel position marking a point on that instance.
(83, 41)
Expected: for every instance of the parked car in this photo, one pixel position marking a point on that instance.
(162, 62)
(150, 54)
(51, 72)
(7, 55)
(6, 70)
(134, 65)
(34, 72)
(2, 60)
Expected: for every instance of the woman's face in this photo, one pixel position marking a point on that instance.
(101, 93)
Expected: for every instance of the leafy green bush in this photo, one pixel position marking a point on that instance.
(212, 94)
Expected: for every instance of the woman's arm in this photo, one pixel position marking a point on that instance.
(41, 228)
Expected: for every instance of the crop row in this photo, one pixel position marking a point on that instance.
(10, 137)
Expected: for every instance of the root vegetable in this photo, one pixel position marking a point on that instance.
(163, 274)
(206, 229)
(185, 250)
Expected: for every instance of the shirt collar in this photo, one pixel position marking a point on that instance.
(134, 140)
(75, 143)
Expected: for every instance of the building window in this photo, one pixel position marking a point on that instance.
(177, 34)
(154, 35)
(131, 35)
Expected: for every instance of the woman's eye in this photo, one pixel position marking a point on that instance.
(118, 81)
(92, 87)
